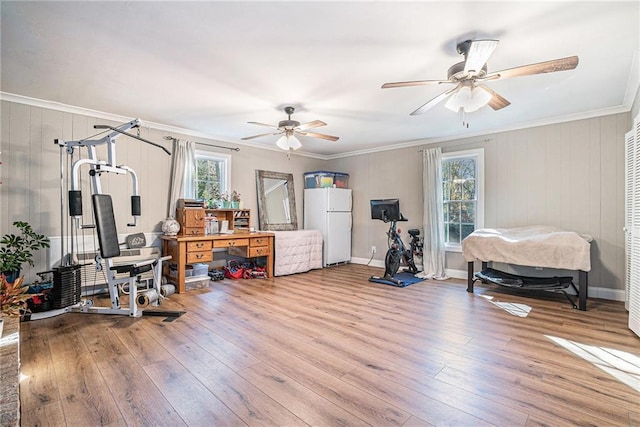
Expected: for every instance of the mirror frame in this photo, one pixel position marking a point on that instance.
(262, 203)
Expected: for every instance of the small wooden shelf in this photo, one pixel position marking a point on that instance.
(239, 219)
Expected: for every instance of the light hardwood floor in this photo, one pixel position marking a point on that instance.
(329, 348)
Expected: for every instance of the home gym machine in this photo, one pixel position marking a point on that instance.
(121, 279)
(388, 211)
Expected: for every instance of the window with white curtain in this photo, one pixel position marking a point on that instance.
(463, 195)
(211, 175)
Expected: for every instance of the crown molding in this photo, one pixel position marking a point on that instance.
(487, 132)
(4, 96)
(58, 106)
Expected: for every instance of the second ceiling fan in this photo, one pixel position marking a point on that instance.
(468, 76)
(290, 128)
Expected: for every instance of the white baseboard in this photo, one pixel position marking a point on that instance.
(365, 261)
(606, 293)
(456, 274)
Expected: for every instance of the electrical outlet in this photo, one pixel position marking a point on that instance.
(373, 249)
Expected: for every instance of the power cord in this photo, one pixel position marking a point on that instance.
(373, 252)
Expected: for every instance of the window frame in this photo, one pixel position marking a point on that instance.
(225, 185)
(478, 155)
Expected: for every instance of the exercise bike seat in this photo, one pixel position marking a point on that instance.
(413, 232)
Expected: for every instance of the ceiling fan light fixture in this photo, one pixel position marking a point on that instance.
(459, 99)
(469, 99)
(288, 142)
(294, 143)
(479, 98)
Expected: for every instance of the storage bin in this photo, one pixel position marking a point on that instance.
(341, 180)
(200, 269)
(318, 179)
(322, 179)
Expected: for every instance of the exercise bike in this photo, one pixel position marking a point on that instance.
(398, 253)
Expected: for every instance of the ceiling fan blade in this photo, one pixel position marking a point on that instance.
(434, 101)
(263, 124)
(562, 64)
(319, 135)
(313, 124)
(261, 135)
(479, 53)
(413, 83)
(497, 101)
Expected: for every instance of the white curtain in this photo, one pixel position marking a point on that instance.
(182, 164)
(433, 220)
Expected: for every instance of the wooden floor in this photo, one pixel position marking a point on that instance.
(329, 348)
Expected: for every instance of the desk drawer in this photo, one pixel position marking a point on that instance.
(205, 256)
(192, 231)
(199, 246)
(230, 243)
(242, 251)
(259, 251)
(259, 241)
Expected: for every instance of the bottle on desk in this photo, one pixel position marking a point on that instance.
(210, 224)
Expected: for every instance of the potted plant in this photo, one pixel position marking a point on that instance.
(226, 200)
(235, 200)
(13, 296)
(18, 249)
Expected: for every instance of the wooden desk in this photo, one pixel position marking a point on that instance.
(199, 249)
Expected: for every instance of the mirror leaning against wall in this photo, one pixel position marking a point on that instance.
(276, 201)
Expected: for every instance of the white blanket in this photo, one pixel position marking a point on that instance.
(534, 246)
(297, 251)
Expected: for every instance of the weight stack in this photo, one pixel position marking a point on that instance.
(66, 286)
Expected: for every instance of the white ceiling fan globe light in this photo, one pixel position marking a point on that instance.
(453, 103)
(479, 98)
(459, 99)
(283, 143)
(288, 142)
(294, 143)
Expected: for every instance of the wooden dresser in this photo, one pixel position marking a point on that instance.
(199, 249)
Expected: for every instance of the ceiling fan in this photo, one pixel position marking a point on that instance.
(290, 128)
(469, 93)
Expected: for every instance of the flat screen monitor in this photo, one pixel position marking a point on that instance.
(385, 209)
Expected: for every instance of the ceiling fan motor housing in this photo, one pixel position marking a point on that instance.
(456, 72)
(288, 124)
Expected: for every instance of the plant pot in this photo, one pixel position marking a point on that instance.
(235, 205)
(225, 204)
(11, 276)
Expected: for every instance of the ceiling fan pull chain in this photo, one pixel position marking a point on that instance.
(465, 122)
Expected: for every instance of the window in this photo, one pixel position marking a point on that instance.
(462, 192)
(211, 175)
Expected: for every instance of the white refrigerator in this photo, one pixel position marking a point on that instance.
(328, 210)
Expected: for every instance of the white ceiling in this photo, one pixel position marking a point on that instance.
(211, 67)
